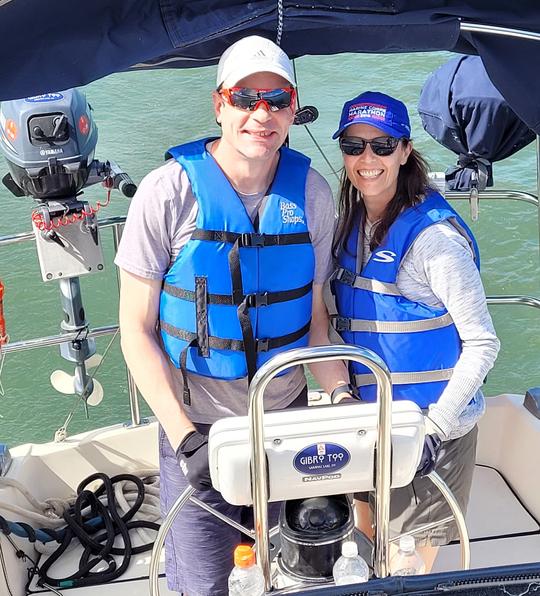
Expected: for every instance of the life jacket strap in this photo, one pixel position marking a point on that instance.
(251, 239)
(237, 345)
(363, 325)
(350, 278)
(253, 300)
(249, 343)
(406, 378)
(186, 394)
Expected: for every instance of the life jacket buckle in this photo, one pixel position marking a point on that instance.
(256, 300)
(346, 277)
(253, 240)
(263, 345)
(342, 323)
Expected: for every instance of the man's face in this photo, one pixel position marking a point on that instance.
(255, 135)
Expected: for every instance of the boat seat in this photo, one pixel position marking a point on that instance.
(493, 509)
(514, 550)
(501, 530)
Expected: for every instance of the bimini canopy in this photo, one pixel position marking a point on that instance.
(53, 45)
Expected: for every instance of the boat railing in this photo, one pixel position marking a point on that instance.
(495, 195)
(117, 225)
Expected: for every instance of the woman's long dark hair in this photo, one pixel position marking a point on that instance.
(411, 187)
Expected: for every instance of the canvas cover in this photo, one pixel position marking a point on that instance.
(53, 45)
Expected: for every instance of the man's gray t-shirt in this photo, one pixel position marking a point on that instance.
(162, 217)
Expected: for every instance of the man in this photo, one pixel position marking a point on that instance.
(226, 246)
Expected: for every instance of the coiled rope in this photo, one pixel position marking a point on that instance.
(116, 507)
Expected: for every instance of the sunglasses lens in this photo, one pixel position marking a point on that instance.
(278, 98)
(352, 147)
(242, 99)
(385, 147)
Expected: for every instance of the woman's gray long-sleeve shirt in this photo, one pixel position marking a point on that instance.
(439, 270)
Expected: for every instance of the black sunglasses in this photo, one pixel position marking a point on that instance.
(381, 146)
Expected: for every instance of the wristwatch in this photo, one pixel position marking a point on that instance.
(342, 392)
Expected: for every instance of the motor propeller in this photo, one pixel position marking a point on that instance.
(80, 383)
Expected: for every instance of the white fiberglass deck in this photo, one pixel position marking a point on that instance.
(502, 532)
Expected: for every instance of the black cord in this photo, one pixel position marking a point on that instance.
(98, 539)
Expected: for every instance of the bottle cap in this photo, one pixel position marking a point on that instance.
(407, 544)
(244, 556)
(349, 549)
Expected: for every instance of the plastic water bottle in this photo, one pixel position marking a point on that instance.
(350, 568)
(246, 578)
(407, 561)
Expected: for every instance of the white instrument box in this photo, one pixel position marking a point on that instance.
(315, 451)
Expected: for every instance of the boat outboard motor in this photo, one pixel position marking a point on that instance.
(462, 110)
(49, 143)
(312, 531)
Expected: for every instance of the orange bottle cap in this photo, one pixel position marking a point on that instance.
(244, 556)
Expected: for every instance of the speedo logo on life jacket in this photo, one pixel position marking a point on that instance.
(384, 256)
(289, 213)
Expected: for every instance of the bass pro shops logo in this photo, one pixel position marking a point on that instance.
(289, 213)
(384, 256)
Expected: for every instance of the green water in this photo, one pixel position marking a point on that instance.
(139, 116)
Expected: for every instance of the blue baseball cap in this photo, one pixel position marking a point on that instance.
(376, 109)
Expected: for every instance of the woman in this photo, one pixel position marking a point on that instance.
(408, 287)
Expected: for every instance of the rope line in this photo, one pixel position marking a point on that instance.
(103, 509)
(314, 140)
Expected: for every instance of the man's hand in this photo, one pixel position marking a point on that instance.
(430, 454)
(192, 456)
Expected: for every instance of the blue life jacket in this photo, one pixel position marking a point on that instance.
(239, 292)
(419, 343)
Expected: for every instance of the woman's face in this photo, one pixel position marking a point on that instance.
(374, 176)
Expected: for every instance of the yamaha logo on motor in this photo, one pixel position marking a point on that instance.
(321, 458)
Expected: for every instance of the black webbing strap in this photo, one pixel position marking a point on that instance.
(199, 339)
(236, 345)
(183, 361)
(252, 239)
(250, 347)
(254, 300)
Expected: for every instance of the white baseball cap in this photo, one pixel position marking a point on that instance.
(250, 55)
